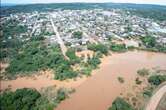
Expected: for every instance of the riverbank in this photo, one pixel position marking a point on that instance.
(99, 91)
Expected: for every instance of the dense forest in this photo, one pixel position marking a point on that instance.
(156, 12)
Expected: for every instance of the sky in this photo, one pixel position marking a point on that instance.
(160, 2)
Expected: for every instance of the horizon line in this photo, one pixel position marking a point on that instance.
(82, 2)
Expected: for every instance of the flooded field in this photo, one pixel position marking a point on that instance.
(98, 91)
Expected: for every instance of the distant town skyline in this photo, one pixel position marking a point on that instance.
(159, 2)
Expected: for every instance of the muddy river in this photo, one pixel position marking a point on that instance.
(98, 91)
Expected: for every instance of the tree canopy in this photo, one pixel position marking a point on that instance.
(120, 104)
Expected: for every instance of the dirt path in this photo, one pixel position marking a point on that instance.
(60, 41)
(154, 101)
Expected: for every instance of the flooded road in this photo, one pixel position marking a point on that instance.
(99, 90)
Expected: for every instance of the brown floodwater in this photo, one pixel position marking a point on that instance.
(43, 79)
(99, 90)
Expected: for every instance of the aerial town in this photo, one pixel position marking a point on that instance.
(83, 59)
(96, 25)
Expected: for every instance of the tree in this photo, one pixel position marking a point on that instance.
(98, 47)
(149, 41)
(120, 104)
(77, 34)
(72, 56)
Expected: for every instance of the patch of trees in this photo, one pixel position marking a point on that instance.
(118, 47)
(72, 56)
(77, 34)
(94, 61)
(30, 99)
(120, 104)
(35, 56)
(156, 79)
(98, 48)
(10, 43)
(156, 13)
(148, 41)
(21, 99)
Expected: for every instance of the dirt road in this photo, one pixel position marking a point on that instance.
(60, 41)
(154, 101)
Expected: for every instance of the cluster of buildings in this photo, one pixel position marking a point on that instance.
(96, 25)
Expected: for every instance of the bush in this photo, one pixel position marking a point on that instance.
(143, 72)
(156, 79)
(61, 95)
(118, 47)
(121, 79)
(94, 61)
(120, 104)
(98, 48)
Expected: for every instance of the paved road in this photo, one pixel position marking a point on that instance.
(154, 101)
(60, 41)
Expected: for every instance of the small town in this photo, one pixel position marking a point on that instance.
(82, 56)
(79, 27)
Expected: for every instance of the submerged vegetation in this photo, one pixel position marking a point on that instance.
(143, 72)
(120, 104)
(156, 79)
(121, 79)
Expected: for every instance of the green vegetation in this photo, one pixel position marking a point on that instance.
(143, 72)
(120, 104)
(23, 99)
(156, 79)
(77, 34)
(148, 41)
(118, 47)
(121, 79)
(10, 42)
(35, 56)
(98, 48)
(72, 56)
(31, 99)
(61, 95)
(94, 61)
